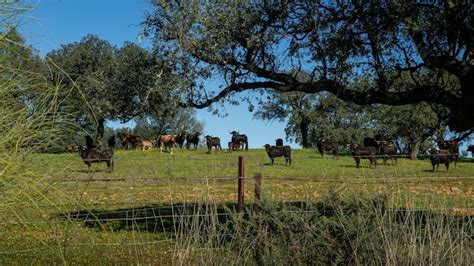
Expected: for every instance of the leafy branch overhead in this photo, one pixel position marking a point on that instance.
(253, 45)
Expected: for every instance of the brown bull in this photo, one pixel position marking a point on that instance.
(129, 141)
(453, 149)
(167, 141)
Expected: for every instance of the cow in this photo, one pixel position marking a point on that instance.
(123, 138)
(111, 142)
(471, 149)
(364, 153)
(439, 156)
(147, 145)
(213, 142)
(279, 142)
(278, 151)
(192, 138)
(453, 147)
(134, 141)
(234, 146)
(329, 145)
(240, 138)
(95, 155)
(166, 141)
(372, 142)
(89, 142)
(129, 141)
(388, 151)
(180, 138)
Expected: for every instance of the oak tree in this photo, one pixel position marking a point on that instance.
(253, 45)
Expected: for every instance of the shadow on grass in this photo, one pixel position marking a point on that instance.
(84, 171)
(361, 166)
(151, 218)
(180, 217)
(277, 164)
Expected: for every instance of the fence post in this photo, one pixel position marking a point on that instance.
(258, 192)
(240, 189)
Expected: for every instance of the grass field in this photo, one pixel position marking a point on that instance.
(57, 212)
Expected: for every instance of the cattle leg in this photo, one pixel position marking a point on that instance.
(447, 165)
(273, 161)
(357, 160)
(109, 165)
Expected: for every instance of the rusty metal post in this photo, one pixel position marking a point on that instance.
(258, 192)
(240, 189)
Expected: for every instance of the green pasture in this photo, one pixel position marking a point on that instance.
(37, 223)
(143, 177)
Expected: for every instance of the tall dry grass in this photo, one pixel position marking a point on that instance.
(31, 118)
(359, 229)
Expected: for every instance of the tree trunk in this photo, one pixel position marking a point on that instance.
(100, 129)
(414, 150)
(304, 124)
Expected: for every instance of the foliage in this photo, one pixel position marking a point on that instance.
(414, 125)
(181, 120)
(30, 116)
(114, 83)
(337, 43)
(318, 116)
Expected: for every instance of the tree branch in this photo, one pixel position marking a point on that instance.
(415, 95)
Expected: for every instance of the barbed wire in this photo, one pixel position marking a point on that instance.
(352, 179)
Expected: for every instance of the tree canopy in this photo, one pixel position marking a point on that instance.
(108, 82)
(258, 45)
(311, 117)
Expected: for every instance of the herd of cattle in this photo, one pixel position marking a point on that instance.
(96, 152)
(169, 141)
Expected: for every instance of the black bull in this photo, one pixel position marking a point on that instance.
(240, 138)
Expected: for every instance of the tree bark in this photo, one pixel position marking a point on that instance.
(304, 124)
(414, 150)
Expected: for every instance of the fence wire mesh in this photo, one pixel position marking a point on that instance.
(159, 200)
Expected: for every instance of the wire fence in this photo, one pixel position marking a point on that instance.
(158, 193)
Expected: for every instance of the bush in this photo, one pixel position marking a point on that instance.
(354, 230)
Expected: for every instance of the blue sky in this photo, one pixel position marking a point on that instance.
(55, 22)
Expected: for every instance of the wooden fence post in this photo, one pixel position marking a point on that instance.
(240, 189)
(258, 192)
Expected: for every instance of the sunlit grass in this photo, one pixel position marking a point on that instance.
(55, 185)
